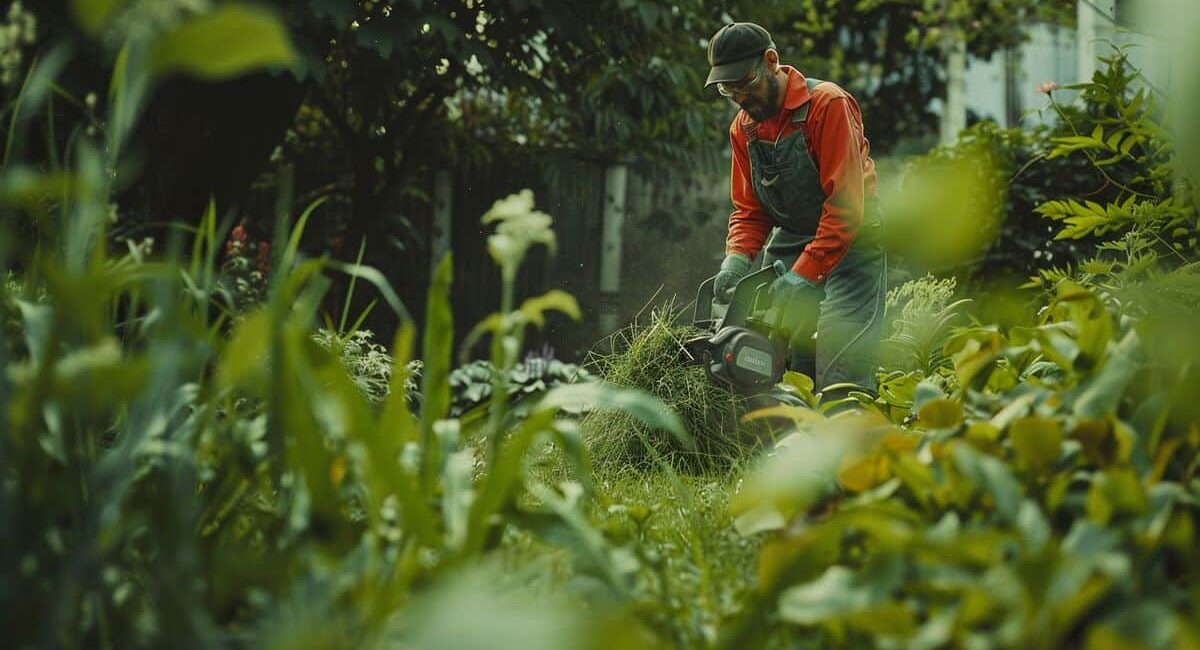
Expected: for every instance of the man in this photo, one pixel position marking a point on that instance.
(802, 175)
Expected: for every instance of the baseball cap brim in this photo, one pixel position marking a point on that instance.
(732, 71)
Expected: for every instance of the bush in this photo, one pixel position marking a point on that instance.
(1032, 170)
(471, 383)
(1040, 489)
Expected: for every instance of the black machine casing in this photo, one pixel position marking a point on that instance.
(740, 349)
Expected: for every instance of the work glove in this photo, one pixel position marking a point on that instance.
(794, 296)
(733, 268)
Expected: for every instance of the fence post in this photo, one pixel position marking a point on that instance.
(954, 115)
(610, 251)
(443, 209)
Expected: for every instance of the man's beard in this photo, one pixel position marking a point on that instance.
(766, 108)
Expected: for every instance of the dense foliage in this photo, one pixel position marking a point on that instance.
(194, 453)
(1035, 485)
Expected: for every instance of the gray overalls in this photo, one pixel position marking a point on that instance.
(850, 321)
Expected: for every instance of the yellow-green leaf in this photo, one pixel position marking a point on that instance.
(534, 309)
(1037, 441)
(865, 473)
(232, 40)
(941, 414)
(1105, 442)
(91, 15)
(1115, 492)
(975, 356)
(245, 359)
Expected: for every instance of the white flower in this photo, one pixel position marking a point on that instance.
(519, 227)
(473, 66)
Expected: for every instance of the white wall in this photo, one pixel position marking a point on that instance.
(1048, 55)
(1052, 54)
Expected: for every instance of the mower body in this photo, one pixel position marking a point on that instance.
(740, 346)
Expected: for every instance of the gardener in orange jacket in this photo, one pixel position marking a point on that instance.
(803, 186)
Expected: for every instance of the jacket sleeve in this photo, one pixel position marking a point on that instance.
(838, 152)
(749, 224)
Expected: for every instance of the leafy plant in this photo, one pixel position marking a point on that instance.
(218, 485)
(1026, 509)
(920, 315)
(1044, 492)
(1125, 129)
(369, 364)
(472, 382)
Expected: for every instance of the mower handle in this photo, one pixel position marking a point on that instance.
(747, 294)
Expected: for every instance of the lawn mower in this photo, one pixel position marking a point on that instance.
(744, 345)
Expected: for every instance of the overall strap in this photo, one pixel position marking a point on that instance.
(800, 115)
(751, 130)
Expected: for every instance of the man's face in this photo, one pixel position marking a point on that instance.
(759, 98)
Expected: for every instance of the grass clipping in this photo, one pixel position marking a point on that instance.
(652, 358)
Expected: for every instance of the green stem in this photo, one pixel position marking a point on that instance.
(12, 123)
(500, 364)
(1091, 158)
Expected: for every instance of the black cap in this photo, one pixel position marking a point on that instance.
(734, 49)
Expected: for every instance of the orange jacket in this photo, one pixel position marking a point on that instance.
(834, 132)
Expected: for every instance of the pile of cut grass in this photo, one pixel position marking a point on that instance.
(651, 358)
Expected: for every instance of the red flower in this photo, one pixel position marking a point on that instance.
(239, 233)
(263, 261)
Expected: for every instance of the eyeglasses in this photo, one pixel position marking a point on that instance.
(739, 87)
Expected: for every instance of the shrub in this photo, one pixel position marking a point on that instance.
(1044, 492)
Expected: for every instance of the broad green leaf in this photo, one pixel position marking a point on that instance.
(798, 475)
(1092, 321)
(1144, 624)
(232, 40)
(925, 392)
(1016, 408)
(1105, 441)
(941, 414)
(1033, 525)
(800, 381)
(1037, 441)
(385, 442)
(91, 15)
(296, 407)
(865, 473)
(841, 592)
(980, 431)
(37, 323)
(1115, 492)
(245, 360)
(992, 476)
(1102, 394)
(862, 472)
(760, 518)
(976, 355)
(797, 414)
